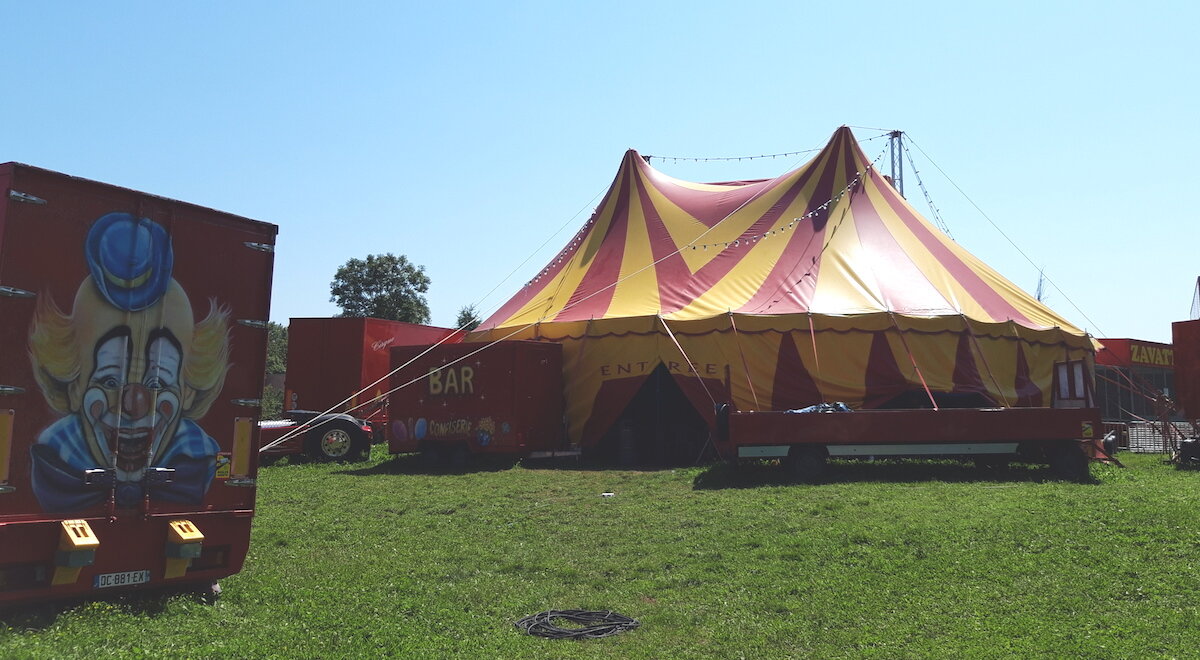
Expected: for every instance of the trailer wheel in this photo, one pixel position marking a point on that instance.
(807, 464)
(430, 457)
(458, 457)
(1067, 461)
(337, 440)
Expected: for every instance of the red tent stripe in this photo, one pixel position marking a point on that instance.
(992, 302)
(789, 287)
(794, 387)
(595, 291)
(672, 269)
(966, 371)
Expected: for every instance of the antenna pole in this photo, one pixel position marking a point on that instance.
(897, 155)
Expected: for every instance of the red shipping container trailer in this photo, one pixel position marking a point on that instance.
(330, 359)
(462, 399)
(135, 335)
(1186, 341)
(1186, 344)
(340, 366)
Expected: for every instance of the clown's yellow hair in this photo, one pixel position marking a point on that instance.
(53, 353)
(208, 361)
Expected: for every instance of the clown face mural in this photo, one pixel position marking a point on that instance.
(130, 370)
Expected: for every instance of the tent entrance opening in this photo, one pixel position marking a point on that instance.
(659, 426)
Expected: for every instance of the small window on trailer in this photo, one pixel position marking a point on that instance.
(1072, 387)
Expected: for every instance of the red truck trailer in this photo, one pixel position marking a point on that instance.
(135, 335)
(335, 401)
(804, 440)
(1186, 344)
(452, 401)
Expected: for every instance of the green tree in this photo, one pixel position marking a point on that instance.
(384, 286)
(272, 402)
(468, 318)
(272, 398)
(277, 338)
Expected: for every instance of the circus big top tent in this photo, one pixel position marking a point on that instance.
(822, 284)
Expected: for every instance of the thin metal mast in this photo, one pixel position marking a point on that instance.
(897, 155)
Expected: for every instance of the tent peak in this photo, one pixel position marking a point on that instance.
(632, 156)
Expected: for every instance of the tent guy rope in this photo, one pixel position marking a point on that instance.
(1002, 233)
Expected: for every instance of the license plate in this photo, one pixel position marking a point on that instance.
(121, 579)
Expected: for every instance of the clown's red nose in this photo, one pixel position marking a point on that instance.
(135, 400)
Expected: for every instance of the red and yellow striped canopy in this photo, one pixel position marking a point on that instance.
(822, 284)
(832, 237)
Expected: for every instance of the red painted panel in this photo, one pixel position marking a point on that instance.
(1114, 354)
(948, 425)
(1135, 352)
(331, 359)
(499, 398)
(1186, 342)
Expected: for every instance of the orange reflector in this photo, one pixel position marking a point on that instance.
(183, 531)
(77, 535)
(242, 427)
(76, 548)
(184, 543)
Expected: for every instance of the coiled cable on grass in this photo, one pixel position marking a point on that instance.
(592, 624)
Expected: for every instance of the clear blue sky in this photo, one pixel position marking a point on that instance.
(463, 136)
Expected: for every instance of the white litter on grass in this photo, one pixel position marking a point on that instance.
(607, 494)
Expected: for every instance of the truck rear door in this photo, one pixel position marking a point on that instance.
(134, 330)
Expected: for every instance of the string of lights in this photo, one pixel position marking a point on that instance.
(937, 215)
(696, 159)
(830, 232)
(752, 239)
(709, 159)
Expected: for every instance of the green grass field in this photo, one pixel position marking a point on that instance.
(893, 559)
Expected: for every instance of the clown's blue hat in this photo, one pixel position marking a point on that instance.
(130, 259)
